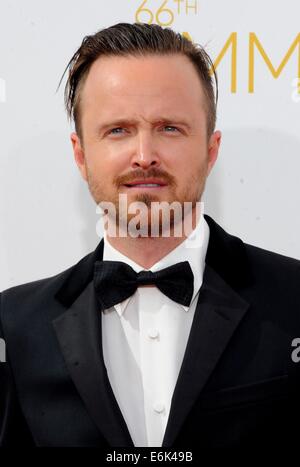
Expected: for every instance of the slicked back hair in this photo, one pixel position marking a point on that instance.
(137, 39)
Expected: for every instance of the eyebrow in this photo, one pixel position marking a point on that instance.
(131, 122)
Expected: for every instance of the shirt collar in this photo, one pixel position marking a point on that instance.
(193, 249)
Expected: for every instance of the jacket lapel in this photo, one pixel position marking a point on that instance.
(79, 333)
(218, 313)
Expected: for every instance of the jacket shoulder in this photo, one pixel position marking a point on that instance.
(22, 291)
(244, 265)
(36, 294)
(275, 282)
(271, 260)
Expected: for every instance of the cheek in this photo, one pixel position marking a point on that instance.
(96, 159)
(109, 156)
(186, 159)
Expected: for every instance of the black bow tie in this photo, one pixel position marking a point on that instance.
(115, 281)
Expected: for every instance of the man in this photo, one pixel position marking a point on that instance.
(151, 340)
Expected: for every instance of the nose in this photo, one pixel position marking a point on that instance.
(145, 155)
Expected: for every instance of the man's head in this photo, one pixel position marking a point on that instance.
(143, 103)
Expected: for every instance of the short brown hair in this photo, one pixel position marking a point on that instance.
(138, 39)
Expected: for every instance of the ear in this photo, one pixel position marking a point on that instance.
(213, 149)
(79, 154)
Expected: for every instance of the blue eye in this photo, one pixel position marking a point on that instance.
(172, 127)
(114, 129)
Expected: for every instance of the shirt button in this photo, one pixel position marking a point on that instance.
(159, 407)
(153, 333)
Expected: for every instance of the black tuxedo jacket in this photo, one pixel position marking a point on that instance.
(238, 384)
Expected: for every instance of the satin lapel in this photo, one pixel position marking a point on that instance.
(218, 313)
(79, 334)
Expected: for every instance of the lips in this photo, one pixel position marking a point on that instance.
(148, 183)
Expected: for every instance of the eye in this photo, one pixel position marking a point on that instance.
(115, 131)
(172, 128)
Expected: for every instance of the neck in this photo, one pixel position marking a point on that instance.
(147, 251)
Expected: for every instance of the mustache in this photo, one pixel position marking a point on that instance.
(143, 175)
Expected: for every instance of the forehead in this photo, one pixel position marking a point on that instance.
(145, 81)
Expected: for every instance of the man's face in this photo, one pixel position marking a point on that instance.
(143, 119)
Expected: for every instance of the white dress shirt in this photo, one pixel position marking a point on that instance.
(144, 340)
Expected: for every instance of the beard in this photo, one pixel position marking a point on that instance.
(163, 212)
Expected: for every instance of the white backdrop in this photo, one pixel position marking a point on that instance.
(48, 219)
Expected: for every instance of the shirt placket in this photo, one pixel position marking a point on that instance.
(152, 365)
